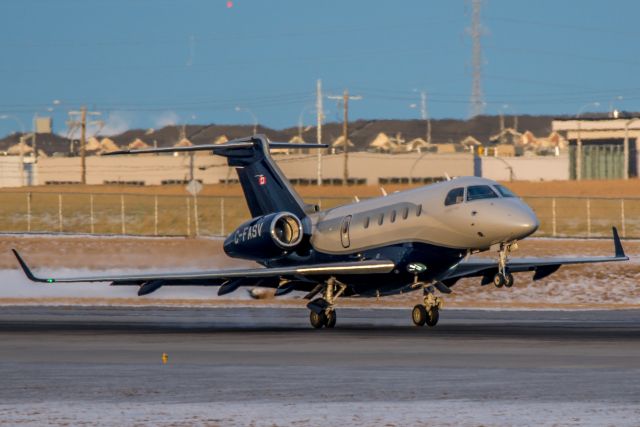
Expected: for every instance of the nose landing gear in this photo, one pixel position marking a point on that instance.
(503, 277)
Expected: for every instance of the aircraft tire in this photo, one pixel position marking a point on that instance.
(317, 320)
(419, 315)
(330, 319)
(498, 280)
(432, 317)
(508, 280)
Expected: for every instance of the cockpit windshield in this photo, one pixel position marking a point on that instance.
(454, 196)
(477, 192)
(504, 191)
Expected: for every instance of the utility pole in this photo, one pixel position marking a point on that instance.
(320, 115)
(83, 144)
(82, 123)
(345, 129)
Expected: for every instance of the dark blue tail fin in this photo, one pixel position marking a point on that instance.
(264, 185)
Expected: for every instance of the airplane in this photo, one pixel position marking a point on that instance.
(421, 239)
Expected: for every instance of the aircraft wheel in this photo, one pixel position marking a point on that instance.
(508, 280)
(419, 315)
(317, 320)
(433, 316)
(498, 280)
(330, 319)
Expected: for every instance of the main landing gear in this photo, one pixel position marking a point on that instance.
(429, 312)
(322, 310)
(503, 277)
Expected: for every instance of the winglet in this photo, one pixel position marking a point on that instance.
(28, 272)
(617, 244)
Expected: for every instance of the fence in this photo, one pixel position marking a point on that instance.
(122, 213)
(162, 215)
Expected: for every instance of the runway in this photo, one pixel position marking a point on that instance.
(237, 366)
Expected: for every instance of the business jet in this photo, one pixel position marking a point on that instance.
(421, 240)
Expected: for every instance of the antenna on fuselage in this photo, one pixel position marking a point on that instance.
(383, 191)
(446, 175)
(356, 199)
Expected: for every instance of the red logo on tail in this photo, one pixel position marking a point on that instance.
(262, 180)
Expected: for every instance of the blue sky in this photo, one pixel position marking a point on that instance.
(151, 63)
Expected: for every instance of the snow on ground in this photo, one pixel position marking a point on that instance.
(419, 413)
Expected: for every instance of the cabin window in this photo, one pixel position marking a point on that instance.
(393, 216)
(366, 222)
(504, 191)
(419, 210)
(381, 219)
(477, 192)
(454, 196)
(405, 213)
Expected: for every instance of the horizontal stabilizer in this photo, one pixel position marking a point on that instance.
(234, 144)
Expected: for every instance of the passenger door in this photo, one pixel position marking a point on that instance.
(344, 231)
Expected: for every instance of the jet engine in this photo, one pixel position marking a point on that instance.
(265, 237)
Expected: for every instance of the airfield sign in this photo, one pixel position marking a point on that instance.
(194, 187)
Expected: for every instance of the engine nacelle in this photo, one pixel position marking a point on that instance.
(265, 237)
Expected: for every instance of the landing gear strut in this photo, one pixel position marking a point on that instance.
(322, 311)
(503, 277)
(429, 312)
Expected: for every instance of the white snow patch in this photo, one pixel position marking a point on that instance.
(441, 412)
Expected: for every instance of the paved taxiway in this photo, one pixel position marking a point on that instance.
(225, 358)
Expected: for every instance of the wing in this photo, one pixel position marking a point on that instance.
(542, 267)
(232, 277)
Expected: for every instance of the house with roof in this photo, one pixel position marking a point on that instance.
(338, 144)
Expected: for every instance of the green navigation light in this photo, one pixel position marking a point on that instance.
(51, 280)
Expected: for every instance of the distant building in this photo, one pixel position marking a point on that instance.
(221, 139)
(138, 144)
(338, 144)
(470, 143)
(419, 145)
(601, 148)
(107, 145)
(507, 136)
(382, 144)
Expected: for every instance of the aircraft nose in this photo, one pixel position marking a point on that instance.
(523, 222)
